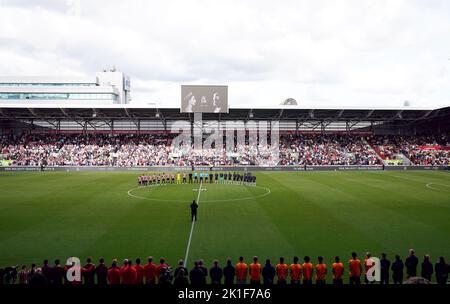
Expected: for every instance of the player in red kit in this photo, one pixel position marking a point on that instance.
(123, 268)
(114, 274)
(162, 265)
(129, 274)
(139, 272)
(150, 271)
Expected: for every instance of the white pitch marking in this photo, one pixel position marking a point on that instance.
(429, 186)
(192, 228)
(268, 191)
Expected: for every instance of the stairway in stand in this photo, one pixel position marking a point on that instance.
(374, 149)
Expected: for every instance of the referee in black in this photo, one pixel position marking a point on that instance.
(194, 207)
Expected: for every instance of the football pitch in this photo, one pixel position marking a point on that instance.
(49, 215)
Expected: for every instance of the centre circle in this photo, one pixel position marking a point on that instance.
(209, 192)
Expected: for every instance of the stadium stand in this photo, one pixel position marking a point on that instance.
(420, 150)
(134, 137)
(126, 150)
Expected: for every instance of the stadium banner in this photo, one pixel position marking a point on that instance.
(393, 162)
(433, 148)
(5, 163)
(224, 168)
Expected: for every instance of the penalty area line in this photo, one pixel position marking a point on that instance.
(186, 256)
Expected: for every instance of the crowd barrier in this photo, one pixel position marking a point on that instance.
(225, 168)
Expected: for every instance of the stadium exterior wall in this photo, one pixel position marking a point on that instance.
(225, 168)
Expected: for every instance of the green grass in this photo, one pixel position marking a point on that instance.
(61, 214)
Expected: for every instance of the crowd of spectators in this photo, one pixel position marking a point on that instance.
(329, 149)
(304, 271)
(420, 150)
(127, 150)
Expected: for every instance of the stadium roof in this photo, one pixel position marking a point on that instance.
(82, 104)
(281, 113)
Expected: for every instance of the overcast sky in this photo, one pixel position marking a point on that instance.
(321, 53)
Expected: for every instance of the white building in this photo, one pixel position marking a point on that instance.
(105, 88)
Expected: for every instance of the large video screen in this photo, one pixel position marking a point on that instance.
(204, 99)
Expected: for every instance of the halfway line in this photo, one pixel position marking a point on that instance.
(192, 229)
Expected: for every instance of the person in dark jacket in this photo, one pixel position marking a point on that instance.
(204, 270)
(46, 271)
(385, 264)
(10, 275)
(441, 269)
(216, 273)
(397, 270)
(38, 278)
(268, 273)
(101, 270)
(229, 272)
(57, 273)
(196, 275)
(194, 207)
(179, 268)
(32, 269)
(427, 268)
(88, 272)
(411, 263)
(181, 277)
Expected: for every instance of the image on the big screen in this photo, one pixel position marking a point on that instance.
(204, 99)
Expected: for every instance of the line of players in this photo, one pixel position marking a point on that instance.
(197, 177)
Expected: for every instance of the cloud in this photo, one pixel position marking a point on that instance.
(354, 53)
